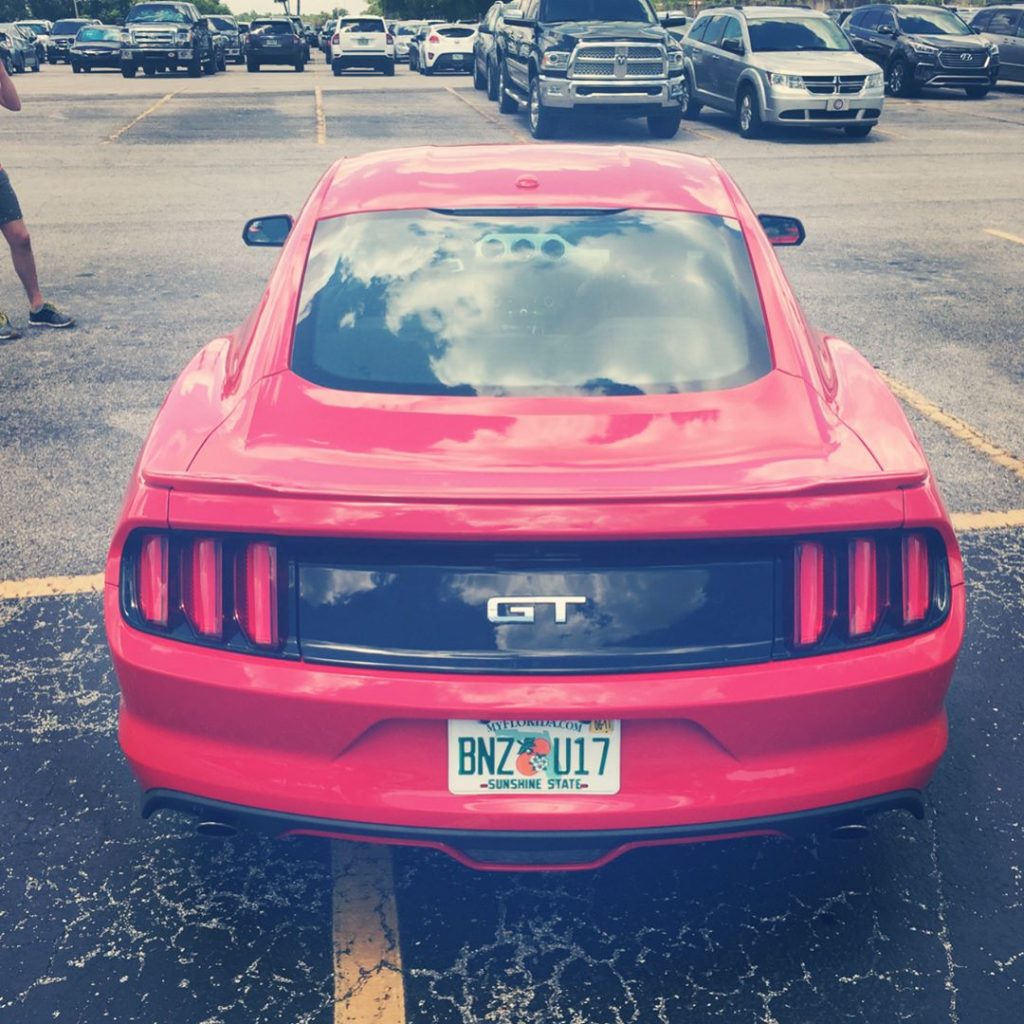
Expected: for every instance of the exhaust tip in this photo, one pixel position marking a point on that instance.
(851, 830)
(215, 829)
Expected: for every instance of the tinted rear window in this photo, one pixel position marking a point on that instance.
(455, 33)
(272, 28)
(67, 28)
(361, 25)
(508, 303)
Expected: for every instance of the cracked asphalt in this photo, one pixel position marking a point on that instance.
(104, 917)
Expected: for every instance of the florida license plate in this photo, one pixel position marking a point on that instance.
(534, 756)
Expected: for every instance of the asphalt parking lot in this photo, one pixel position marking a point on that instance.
(136, 192)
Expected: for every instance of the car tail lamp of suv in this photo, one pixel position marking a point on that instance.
(832, 592)
(216, 590)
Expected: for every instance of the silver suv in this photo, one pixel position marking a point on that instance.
(777, 65)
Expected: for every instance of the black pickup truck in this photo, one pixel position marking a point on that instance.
(609, 56)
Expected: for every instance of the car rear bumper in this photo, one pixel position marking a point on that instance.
(699, 748)
(635, 97)
(508, 850)
(450, 62)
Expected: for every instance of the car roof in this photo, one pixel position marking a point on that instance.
(556, 176)
(764, 10)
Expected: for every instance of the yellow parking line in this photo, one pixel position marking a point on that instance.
(50, 586)
(501, 122)
(972, 522)
(956, 426)
(321, 120)
(368, 984)
(149, 110)
(1005, 235)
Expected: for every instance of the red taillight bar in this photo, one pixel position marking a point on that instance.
(809, 593)
(863, 593)
(256, 593)
(434, 39)
(916, 579)
(153, 580)
(203, 586)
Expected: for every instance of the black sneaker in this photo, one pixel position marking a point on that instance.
(7, 331)
(48, 315)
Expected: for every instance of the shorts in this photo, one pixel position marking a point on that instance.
(9, 207)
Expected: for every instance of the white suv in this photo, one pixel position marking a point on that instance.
(447, 48)
(362, 42)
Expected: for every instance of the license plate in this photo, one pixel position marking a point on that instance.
(534, 756)
(271, 42)
(362, 42)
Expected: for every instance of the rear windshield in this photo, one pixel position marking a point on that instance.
(361, 25)
(159, 13)
(271, 28)
(97, 35)
(597, 10)
(37, 26)
(67, 28)
(455, 33)
(768, 34)
(920, 22)
(622, 302)
(224, 25)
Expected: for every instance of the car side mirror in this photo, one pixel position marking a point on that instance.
(782, 230)
(733, 46)
(886, 30)
(676, 22)
(272, 230)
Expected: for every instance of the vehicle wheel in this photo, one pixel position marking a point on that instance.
(974, 92)
(128, 70)
(251, 65)
(426, 69)
(389, 69)
(492, 81)
(149, 72)
(479, 80)
(506, 104)
(19, 66)
(858, 131)
(7, 66)
(748, 114)
(222, 63)
(87, 69)
(336, 68)
(298, 65)
(195, 67)
(901, 79)
(543, 120)
(38, 66)
(76, 68)
(690, 107)
(413, 62)
(664, 125)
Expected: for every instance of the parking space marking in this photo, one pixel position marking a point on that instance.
(149, 110)
(956, 426)
(501, 122)
(50, 586)
(368, 983)
(974, 522)
(321, 120)
(996, 233)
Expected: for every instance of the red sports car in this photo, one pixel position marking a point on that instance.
(527, 518)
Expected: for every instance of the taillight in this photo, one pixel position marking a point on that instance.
(389, 39)
(335, 40)
(153, 580)
(916, 582)
(203, 586)
(256, 593)
(809, 581)
(434, 39)
(863, 596)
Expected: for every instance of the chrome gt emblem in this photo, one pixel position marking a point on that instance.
(523, 609)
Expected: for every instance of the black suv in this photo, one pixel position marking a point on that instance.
(918, 46)
(607, 56)
(275, 41)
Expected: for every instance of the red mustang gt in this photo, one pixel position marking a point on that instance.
(527, 518)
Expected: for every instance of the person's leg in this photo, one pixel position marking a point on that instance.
(23, 259)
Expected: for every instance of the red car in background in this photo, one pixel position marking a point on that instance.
(527, 518)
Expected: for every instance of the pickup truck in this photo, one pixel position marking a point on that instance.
(164, 37)
(615, 57)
